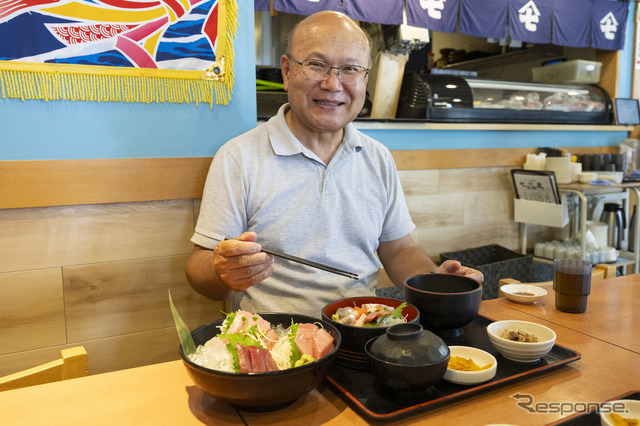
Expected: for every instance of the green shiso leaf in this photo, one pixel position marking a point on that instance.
(186, 341)
(397, 313)
(295, 352)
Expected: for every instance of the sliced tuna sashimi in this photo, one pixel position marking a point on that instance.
(244, 359)
(324, 342)
(314, 341)
(258, 363)
(253, 359)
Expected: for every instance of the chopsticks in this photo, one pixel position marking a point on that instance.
(313, 264)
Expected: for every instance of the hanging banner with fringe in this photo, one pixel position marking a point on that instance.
(178, 51)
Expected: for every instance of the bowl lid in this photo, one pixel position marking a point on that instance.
(409, 344)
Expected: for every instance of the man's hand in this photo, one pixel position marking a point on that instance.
(454, 267)
(240, 264)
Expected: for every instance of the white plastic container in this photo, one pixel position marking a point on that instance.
(577, 71)
(547, 214)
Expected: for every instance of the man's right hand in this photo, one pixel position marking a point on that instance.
(240, 263)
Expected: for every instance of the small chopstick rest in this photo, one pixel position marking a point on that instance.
(309, 263)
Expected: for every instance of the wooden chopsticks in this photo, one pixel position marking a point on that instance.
(309, 263)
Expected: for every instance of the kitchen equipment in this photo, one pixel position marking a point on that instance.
(600, 231)
(449, 98)
(613, 216)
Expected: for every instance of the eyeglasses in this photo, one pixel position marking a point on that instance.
(319, 70)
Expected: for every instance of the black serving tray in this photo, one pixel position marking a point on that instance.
(592, 417)
(378, 402)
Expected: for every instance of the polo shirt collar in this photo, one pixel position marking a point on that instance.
(284, 142)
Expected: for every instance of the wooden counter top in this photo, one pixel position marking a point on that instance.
(613, 307)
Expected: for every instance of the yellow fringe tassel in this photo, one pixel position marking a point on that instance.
(44, 81)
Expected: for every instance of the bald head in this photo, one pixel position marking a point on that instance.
(338, 24)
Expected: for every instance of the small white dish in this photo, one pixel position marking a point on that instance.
(523, 293)
(526, 352)
(478, 356)
(587, 177)
(625, 408)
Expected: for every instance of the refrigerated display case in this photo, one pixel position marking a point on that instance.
(448, 98)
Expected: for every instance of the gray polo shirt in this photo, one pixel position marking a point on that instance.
(266, 181)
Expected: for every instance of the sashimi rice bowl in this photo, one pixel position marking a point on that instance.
(262, 361)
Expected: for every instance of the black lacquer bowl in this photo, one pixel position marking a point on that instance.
(261, 391)
(351, 353)
(446, 302)
(407, 357)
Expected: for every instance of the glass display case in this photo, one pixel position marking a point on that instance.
(446, 98)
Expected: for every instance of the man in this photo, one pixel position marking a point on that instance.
(309, 184)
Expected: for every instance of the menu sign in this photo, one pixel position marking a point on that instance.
(536, 185)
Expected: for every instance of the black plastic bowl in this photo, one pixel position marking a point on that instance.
(351, 353)
(407, 357)
(446, 302)
(261, 391)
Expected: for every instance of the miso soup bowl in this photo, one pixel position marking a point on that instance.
(446, 302)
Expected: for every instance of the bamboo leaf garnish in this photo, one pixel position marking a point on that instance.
(188, 345)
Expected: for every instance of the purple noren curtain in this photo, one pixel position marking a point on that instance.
(436, 15)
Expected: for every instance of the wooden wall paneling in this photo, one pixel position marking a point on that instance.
(72, 235)
(134, 350)
(419, 182)
(116, 298)
(487, 206)
(443, 239)
(459, 158)
(96, 181)
(99, 181)
(476, 179)
(31, 310)
(436, 210)
(18, 361)
(107, 354)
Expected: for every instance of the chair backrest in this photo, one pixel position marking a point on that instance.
(599, 272)
(72, 364)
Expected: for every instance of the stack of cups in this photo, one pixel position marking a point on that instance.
(572, 284)
(561, 166)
